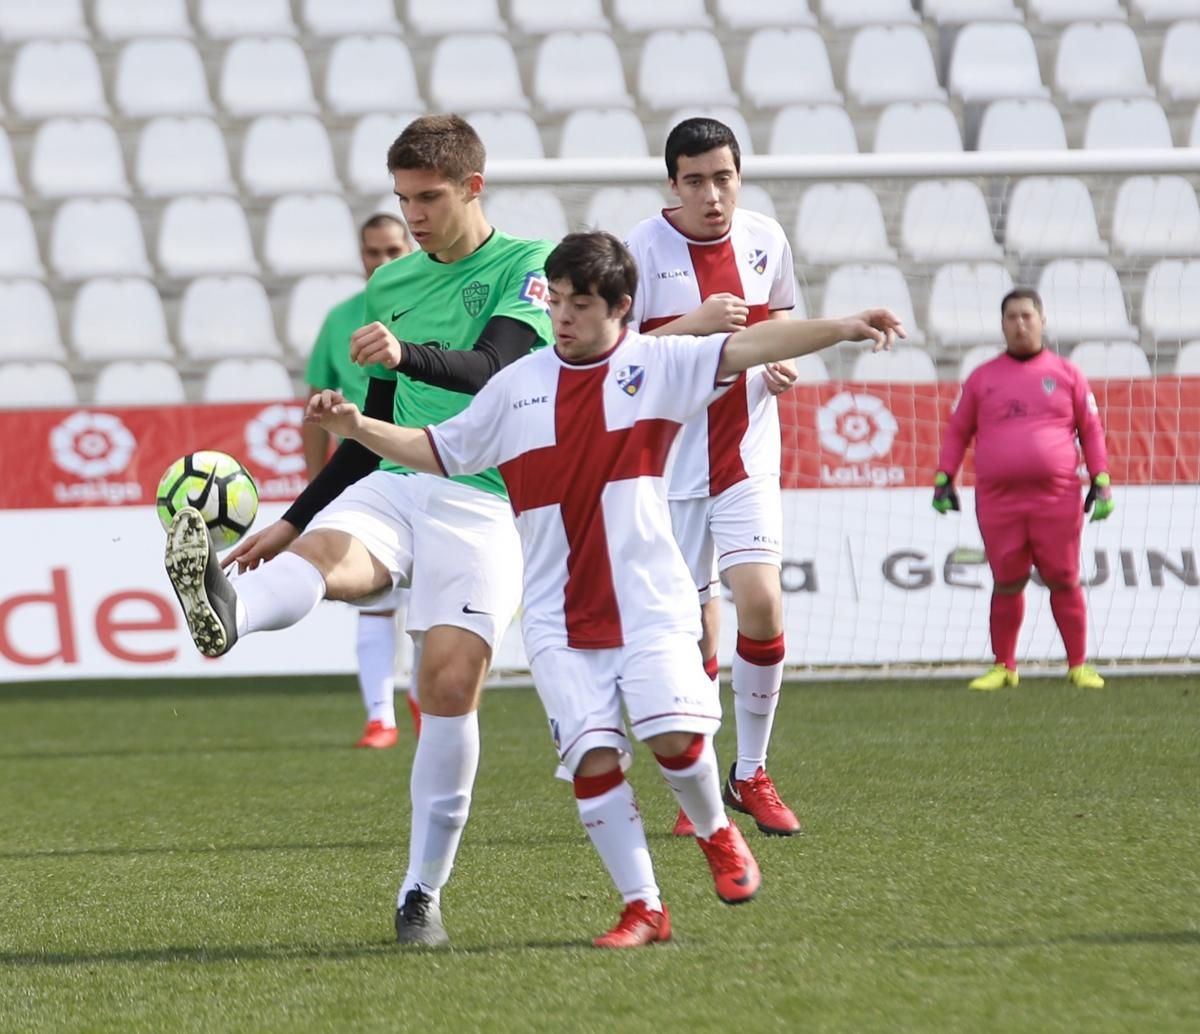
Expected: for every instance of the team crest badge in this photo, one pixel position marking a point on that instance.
(758, 261)
(1048, 385)
(475, 296)
(629, 378)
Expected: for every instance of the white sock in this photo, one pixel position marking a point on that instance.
(615, 827)
(415, 645)
(277, 594)
(376, 666)
(697, 788)
(755, 698)
(443, 773)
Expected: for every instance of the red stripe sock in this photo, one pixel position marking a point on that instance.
(1070, 614)
(1006, 616)
(763, 652)
(597, 785)
(685, 760)
(711, 669)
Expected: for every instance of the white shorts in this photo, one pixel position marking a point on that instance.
(742, 525)
(661, 683)
(455, 546)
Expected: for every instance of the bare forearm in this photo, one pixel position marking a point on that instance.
(692, 323)
(775, 340)
(406, 445)
(316, 448)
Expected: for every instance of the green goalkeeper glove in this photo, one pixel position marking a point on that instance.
(1099, 498)
(945, 498)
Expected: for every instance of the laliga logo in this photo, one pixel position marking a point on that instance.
(92, 445)
(273, 439)
(856, 426)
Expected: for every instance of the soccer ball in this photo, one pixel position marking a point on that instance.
(216, 485)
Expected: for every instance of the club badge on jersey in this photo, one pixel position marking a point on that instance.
(629, 378)
(475, 296)
(758, 261)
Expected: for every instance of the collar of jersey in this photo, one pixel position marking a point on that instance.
(579, 364)
(694, 240)
(466, 259)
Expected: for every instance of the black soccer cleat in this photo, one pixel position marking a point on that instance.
(419, 921)
(208, 598)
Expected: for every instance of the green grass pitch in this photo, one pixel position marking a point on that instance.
(212, 856)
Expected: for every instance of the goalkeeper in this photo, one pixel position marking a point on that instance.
(1025, 409)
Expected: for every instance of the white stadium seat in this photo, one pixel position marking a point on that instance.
(812, 129)
(856, 287)
(678, 68)
(891, 63)
(731, 116)
(224, 19)
(344, 17)
(264, 76)
(182, 156)
(1187, 362)
(28, 322)
(900, 366)
(537, 17)
(134, 382)
(438, 18)
(1165, 10)
(811, 369)
(10, 186)
(757, 199)
(1156, 215)
(226, 316)
(964, 303)
(475, 70)
(975, 358)
(994, 61)
(199, 235)
(508, 134)
(603, 133)
(850, 14)
(1050, 216)
(955, 12)
(34, 385)
(309, 303)
(25, 19)
(126, 19)
(368, 74)
(785, 66)
(1171, 300)
(917, 126)
(841, 222)
(18, 242)
(92, 237)
(619, 209)
(1100, 59)
(537, 211)
(639, 16)
(115, 318)
(739, 15)
(369, 143)
(1059, 12)
(161, 77)
(1083, 300)
(1194, 132)
(55, 165)
(1118, 123)
(60, 77)
(1022, 125)
(945, 220)
(247, 380)
(1179, 68)
(283, 153)
(1101, 360)
(579, 70)
(310, 234)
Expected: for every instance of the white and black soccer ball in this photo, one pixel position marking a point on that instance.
(215, 484)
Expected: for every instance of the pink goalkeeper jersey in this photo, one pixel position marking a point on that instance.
(1026, 416)
(738, 435)
(583, 449)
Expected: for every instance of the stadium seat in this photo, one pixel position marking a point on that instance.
(921, 126)
(132, 382)
(957, 12)
(538, 17)
(344, 17)
(18, 242)
(265, 76)
(1179, 69)
(1187, 362)
(182, 156)
(33, 385)
(1120, 359)
(812, 129)
(1117, 123)
(975, 358)
(853, 288)
(785, 66)
(678, 68)
(841, 222)
(731, 116)
(964, 303)
(603, 133)
(224, 19)
(902, 366)
(639, 16)
(91, 237)
(1022, 125)
(1083, 300)
(1050, 216)
(438, 18)
(119, 319)
(1060, 12)
(56, 77)
(370, 74)
(945, 220)
(1171, 301)
(757, 199)
(55, 165)
(10, 185)
(1194, 132)
(369, 143)
(1156, 215)
(309, 303)
(891, 63)
(619, 209)
(475, 70)
(850, 14)
(995, 61)
(161, 77)
(1100, 59)
(1165, 10)
(537, 211)
(226, 316)
(126, 19)
(247, 380)
(199, 235)
(508, 134)
(579, 70)
(282, 153)
(310, 234)
(23, 19)
(28, 322)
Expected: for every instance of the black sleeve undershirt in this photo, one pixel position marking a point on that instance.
(504, 340)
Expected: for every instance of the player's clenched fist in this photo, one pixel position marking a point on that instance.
(331, 410)
(721, 312)
(373, 344)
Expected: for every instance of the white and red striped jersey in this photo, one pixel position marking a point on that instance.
(738, 436)
(583, 449)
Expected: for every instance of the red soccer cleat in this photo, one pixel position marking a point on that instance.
(378, 736)
(758, 798)
(735, 872)
(683, 825)
(637, 926)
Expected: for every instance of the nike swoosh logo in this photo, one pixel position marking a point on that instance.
(734, 793)
(467, 609)
(396, 315)
(200, 501)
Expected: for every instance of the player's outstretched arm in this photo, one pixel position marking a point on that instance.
(407, 445)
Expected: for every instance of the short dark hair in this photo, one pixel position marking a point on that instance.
(446, 144)
(381, 219)
(1023, 292)
(695, 136)
(596, 263)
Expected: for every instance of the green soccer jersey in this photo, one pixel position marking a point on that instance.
(329, 364)
(425, 301)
